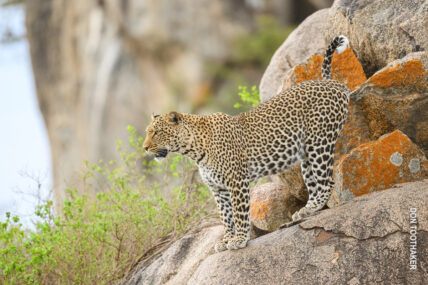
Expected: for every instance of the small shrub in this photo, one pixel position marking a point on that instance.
(250, 98)
(98, 239)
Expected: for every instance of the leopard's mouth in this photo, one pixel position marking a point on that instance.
(161, 154)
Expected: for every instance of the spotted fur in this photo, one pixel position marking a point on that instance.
(299, 125)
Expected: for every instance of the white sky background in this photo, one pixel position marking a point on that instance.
(24, 146)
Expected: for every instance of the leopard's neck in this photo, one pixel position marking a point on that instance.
(199, 130)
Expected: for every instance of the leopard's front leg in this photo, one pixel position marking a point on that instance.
(241, 214)
(222, 198)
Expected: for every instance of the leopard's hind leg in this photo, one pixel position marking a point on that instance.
(317, 172)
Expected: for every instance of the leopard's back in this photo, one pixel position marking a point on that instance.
(277, 132)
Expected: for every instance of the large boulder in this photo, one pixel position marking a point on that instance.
(380, 31)
(177, 264)
(376, 166)
(365, 241)
(396, 97)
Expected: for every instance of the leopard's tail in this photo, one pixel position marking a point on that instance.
(339, 43)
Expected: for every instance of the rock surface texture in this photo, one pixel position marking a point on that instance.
(177, 264)
(396, 97)
(376, 166)
(365, 241)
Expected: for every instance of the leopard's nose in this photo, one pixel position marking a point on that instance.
(146, 148)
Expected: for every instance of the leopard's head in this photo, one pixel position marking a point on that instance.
(165, 133)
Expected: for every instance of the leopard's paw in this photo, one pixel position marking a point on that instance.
(237, 243)
(302, 213)
(220, 246)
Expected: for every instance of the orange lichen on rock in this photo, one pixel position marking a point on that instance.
(259, 209)
(409, 74)
(354, 133)
(310, 70)
(376, 110)
(345, 67)
(378, 165)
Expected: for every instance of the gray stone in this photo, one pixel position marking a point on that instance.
(272, 205)
(177, 264)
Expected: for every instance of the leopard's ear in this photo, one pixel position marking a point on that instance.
(174, 117)
(154, 116)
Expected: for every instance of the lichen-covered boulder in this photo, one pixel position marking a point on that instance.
(396, 97)
(376, 166)
(272, 205)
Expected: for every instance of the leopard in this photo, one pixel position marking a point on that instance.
(300, 125)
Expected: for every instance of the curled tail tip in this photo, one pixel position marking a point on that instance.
(343, 44)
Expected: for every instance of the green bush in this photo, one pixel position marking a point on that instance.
(250, 98)
(97, 239)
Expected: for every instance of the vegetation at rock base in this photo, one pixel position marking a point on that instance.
(97, 239)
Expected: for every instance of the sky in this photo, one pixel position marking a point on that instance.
(24, 147)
